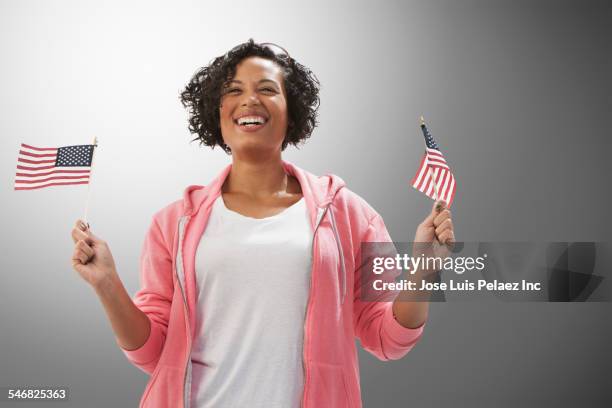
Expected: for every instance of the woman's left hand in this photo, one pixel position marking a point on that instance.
(435, 236)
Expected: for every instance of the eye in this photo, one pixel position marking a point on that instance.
(226, 91)
(268, 89)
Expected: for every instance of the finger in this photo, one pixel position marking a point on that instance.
(80, 235)
(434, 212)
(76, 263)
(82, 231)
(82, 225)
(93, 237)
(446, 224)
(82, 245)
(78, 266)
(447, 237)
(80, 256)
(439, 206)
(85, 227)
(443, 215)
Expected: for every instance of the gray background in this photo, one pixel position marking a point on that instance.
(517, 94)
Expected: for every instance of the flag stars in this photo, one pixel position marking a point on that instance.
(74, 156)
(429, 141)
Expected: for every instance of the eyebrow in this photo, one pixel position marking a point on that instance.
(260, 81)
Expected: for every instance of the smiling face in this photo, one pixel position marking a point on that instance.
(253, 112)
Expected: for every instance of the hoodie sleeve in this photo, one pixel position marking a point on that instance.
(154, 298)
(375, 326)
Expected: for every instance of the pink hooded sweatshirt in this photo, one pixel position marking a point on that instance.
(335, 314)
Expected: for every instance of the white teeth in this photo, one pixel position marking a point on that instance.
(251, 119)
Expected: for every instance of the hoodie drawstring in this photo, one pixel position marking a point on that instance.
(340, 253)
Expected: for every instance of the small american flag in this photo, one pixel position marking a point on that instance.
(39, 167)
(434, 167)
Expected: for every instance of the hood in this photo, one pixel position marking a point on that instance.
(318, 191)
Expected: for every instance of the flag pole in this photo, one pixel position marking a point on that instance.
(436, 194)
(93, 154)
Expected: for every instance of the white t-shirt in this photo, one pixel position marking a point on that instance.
(253, 279)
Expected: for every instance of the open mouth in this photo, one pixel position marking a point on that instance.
(251, 123)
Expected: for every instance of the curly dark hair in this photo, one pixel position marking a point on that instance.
(202, 95)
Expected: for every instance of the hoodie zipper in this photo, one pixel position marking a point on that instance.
(320, 214)
(180, 273)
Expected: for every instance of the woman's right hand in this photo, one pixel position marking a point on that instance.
(92, 257)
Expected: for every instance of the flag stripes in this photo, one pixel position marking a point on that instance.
(434, 177)
(39, 167)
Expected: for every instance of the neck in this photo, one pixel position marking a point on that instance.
(257, 179)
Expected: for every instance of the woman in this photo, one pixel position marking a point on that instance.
(251, 285)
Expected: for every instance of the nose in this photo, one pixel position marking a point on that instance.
(250, 98)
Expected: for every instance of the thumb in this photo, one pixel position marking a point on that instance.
(95, 239)
(86, 228)
(437, 207)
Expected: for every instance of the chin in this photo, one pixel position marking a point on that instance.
(250, 148)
